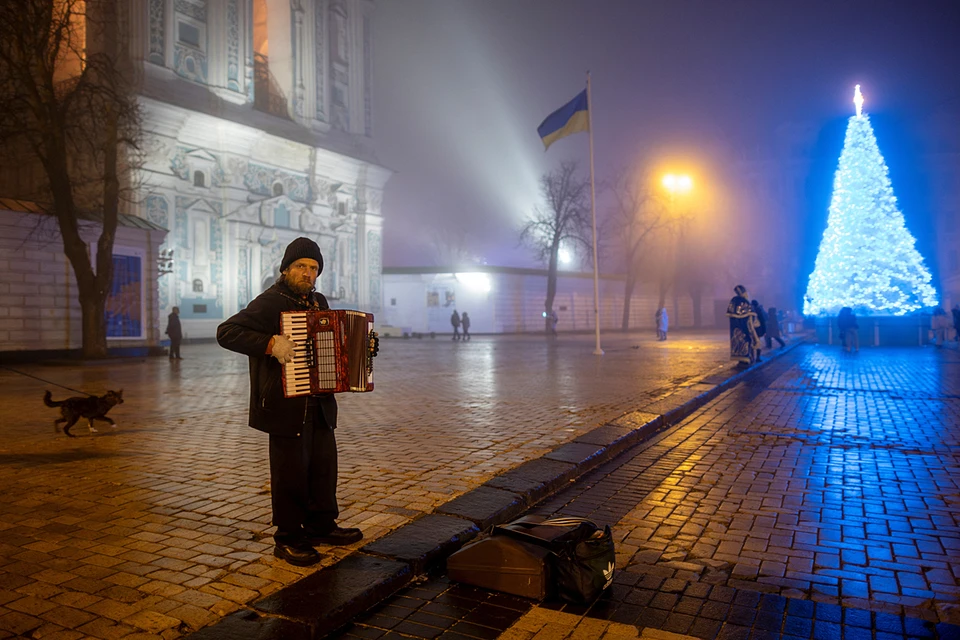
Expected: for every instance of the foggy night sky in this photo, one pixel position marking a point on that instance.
(461, 85)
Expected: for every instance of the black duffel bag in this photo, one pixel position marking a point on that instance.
(582, 555)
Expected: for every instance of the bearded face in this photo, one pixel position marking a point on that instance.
(301, 276)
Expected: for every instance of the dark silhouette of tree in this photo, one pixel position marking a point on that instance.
(638, 213)
(67, 107)
(564, 216)
(673, 251)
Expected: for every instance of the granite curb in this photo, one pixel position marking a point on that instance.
(325, 601)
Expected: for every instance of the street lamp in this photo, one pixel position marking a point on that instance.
(677, 183)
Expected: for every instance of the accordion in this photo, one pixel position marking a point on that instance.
(331, 352)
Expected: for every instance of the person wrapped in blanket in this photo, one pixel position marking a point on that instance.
(744, 342)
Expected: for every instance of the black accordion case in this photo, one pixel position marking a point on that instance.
(504, 564)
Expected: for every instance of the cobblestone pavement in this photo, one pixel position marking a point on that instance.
(820, 498)
(161, 525)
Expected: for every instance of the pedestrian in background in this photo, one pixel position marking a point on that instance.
(744, 342)
(849, 330)
(465, 322)
(956, 320)
(663, 323)
(939, 323)
(455, 322)
(175, 332)
(761, 324)
(773, 328)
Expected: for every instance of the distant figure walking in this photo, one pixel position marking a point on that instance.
(743, 328)
(939, 323)
(663, 323)
(761, 324)
(455, 321)
(773, 329)
(849, 329)
(175, 332)
(956, 320)
(465, 321)
(552, 320)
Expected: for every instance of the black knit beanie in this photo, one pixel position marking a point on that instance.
(301, 248)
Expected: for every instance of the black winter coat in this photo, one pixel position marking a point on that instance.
(173, 327)
(249, 333)
(762, 319)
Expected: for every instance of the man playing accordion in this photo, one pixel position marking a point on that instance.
(303, 449)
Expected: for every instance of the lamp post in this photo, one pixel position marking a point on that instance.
(675, 184)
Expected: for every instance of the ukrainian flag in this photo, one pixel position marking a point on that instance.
(568, 119)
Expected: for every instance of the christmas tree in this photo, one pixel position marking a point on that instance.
(868, 259)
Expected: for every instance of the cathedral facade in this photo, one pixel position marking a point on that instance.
(257, 118)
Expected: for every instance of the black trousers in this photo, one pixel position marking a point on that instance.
(174, 347)
(303, 478)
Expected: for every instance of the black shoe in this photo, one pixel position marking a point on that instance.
(298, 553)
(338, 536)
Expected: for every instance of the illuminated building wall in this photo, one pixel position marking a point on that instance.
(259, 130)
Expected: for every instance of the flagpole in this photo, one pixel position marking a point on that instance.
(593, 213)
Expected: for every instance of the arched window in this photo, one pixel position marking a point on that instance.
(198, 286)
(281, 216)
(199, 180)
(277, 189)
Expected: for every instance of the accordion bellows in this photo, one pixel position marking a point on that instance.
(331, 352)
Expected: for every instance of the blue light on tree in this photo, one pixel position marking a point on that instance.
(868, 259)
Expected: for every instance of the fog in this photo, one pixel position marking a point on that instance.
(721, 90)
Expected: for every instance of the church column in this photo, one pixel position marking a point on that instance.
(365, 105)
(169, 33)
(355, 73)
(216, 43)
(138, 24)
(299, 52)
(317, 71)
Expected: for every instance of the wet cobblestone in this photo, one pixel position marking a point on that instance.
(818, 499)
(161, 525)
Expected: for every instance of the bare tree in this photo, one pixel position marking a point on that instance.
(67, 105)
(673, 251)
(565, 216)
(638, 213)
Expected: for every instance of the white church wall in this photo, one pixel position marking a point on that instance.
(423, 302)
(234, 197)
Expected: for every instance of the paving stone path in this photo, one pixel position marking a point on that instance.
(161, 526)
(818, 499)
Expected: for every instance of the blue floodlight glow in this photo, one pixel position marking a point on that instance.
(868, 259)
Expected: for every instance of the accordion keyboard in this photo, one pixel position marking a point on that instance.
(296, 373)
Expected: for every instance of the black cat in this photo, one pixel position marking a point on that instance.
(91, 408)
